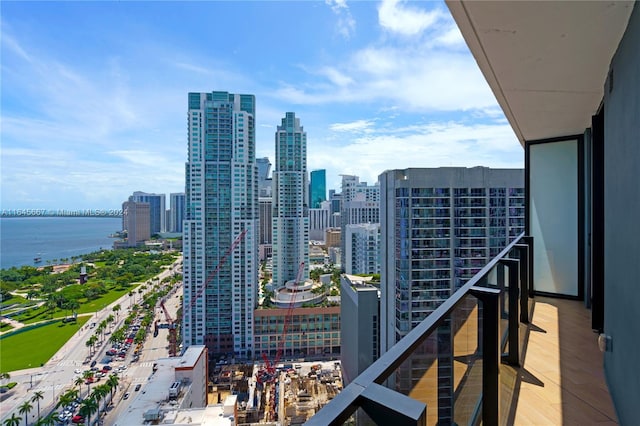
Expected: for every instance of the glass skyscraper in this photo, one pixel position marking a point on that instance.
(318, 188)
(439, 227)
(176, 211)
(290, 197)
(220, 232)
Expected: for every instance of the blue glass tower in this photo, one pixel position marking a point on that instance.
(318, 188)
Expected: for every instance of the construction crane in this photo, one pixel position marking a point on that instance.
(172, 328)
(212, 275)
(268, 374)
(171, 323)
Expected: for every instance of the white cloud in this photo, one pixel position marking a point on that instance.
(435, 144)
(14, 46)
(417, 78)
(452, 38)
(354, 126)
(346, 25)
(336, 77)
(405, 20)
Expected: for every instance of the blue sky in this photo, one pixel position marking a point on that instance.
(94, 94)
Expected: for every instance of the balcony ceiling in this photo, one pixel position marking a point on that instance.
(546, 61)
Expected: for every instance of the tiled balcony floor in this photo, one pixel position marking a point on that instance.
(562, 380)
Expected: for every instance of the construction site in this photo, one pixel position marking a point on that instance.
(289, 395)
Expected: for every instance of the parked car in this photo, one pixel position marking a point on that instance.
(77, 419)
(126, 396)
(137, 388)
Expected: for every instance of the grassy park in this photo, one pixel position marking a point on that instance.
(32, 295)
(36, 346)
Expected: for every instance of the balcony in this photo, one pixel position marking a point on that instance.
(562, 379)
(492, 353)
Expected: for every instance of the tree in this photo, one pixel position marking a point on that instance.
(87, 408)
(50, 420)
(111, 319)
(37, 396)
(64, 401)
(25, 408)
(73, 305)
(4, 377)
(88, 376)
(100, 329)
(116, 309)
(98, 393)
(79, 381)
(13, 420)
(112, 381)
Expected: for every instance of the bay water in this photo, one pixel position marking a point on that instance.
(22, 239)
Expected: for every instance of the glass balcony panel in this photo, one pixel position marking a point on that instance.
(445, 372)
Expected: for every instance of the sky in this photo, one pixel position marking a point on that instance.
(94, 94)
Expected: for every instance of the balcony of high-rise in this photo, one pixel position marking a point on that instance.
(544, 333)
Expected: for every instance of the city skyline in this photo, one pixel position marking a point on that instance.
(89, 115)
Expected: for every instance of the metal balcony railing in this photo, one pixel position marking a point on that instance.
(445, 370)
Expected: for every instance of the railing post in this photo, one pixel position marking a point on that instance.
(529, 241)
(513, 356)
(490, 353)
(523, 255)
(501, 285)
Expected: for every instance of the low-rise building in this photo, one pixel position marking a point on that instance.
(312, 332)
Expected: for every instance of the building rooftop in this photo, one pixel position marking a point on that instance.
(190, 357)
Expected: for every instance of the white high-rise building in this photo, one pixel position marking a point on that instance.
(220, 233)
(290, 198)
(319, 221)
(360, 204)
(362, 246)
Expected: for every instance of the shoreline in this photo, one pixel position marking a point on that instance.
(53, 240)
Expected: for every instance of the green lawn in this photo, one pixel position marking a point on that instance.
(42, 313)
(37, 346)
(5, 326)
(102, 301)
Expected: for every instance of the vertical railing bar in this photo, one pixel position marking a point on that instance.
(523, 254)
(512, 357)
(529, 241)
(490, 353)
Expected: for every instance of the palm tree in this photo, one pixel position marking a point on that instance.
(112, 381)
(91, 341)
(87, 408)
(88, 375)
(98, 393)
(111, 319)
(116, 309)
(13, 420)
(49, 420)
(64, 401)
(79, 381)
(100, 329)
(67, 398)
(37, 396)
(25, 408)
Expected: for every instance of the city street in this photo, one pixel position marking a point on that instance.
(153, 349)
(57, 375)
